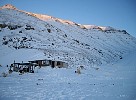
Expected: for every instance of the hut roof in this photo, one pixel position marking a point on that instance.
(22, 63)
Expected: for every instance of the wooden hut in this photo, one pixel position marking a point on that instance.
(41, 62)
(52, 63)
(59, 64)
(30, 66)
(23, 67)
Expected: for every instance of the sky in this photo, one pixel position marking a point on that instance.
(119, 14)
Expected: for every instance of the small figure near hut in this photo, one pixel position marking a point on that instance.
(78, 70)
(10, 69)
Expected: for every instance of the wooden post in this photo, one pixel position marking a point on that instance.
(14, 65)
(18, 67)
(14, 61)
(52, 64)
(29, 68)
(32, 67)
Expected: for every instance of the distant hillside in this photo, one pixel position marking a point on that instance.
(26, 36)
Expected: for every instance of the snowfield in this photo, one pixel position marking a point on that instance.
(110, 82)
(108, 56)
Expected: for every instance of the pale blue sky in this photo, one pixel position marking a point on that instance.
(120, 14)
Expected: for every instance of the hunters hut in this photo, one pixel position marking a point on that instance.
(59, 64)
(51, 63)
(30, 66)
(23, 67)
(41, 63)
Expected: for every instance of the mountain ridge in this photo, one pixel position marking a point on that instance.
(47, 17)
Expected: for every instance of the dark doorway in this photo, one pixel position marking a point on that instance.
(53, 64)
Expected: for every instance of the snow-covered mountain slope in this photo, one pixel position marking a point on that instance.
(37, 36)
(27, 36)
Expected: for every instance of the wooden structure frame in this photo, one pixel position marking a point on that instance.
(30, 66)
(51, 63)
(41, 63)
(23, 67)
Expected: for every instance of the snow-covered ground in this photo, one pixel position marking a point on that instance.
(107, 54)
(110, 82)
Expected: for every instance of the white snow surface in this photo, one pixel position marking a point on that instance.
(110, 82)
(27, 36)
